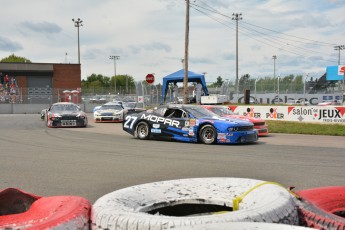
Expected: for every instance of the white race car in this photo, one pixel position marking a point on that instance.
(109, 112)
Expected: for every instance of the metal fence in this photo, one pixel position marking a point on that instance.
(150, 95)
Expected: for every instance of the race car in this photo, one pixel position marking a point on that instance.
(188, 123)
(225, 111)
(109, 112)
(65, 114)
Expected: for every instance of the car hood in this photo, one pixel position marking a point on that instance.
(230, 121)
(251, 119)
(62, 113)
(108, 111)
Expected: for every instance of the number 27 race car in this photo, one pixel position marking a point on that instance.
(188, 123)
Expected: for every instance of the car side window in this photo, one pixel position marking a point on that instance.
(169, 113)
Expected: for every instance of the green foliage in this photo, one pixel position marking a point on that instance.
(13, 58)
(96, 80)
(305, 128)
(218, 83)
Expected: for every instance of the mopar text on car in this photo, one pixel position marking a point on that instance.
(109, 112)
(224, 111)
(65, 114)
(190, 124)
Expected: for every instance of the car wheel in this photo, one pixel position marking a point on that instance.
(191, 202)
(142, 130)
(207, 134)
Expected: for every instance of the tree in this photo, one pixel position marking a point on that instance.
(244, 82)
(218, 83)
(103, 81)
(14, 58)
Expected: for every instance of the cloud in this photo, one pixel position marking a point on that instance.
(41, 27)
(8, 45)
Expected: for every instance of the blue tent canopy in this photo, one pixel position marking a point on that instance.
(179, 77)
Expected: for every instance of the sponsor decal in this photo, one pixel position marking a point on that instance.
(221, 136)
(156, 126)
(274, 114)
(186, 123)
(191, 132)
(185, 129)
(197, 122)
(192, 122)
(332, 115)
(251, 113)
(163, 120)
(156, 131)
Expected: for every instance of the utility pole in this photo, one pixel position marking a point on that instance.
(340, 47)
(237, 16)
(112, 57)
(186, 44)
(78, 23)
(274, 57)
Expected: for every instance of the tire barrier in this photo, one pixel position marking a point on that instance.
(242, 226)
(322, 208)
(189, 202)
(21, 210)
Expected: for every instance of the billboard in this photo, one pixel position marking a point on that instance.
(335, 73)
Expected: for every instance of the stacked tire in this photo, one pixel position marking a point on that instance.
(193, 202)
(322, 208)
(21, 210)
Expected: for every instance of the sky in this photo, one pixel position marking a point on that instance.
(149, 36)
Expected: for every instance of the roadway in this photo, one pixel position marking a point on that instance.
(101, 158)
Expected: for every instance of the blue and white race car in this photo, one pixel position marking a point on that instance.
(188, 123)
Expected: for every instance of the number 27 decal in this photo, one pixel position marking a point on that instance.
(129, 122)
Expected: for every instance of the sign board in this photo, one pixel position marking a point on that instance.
(317, 114)
(335, 73)
(140, 99)
(150, 78)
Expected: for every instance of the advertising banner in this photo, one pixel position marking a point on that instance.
(321, 114)
(335, 73)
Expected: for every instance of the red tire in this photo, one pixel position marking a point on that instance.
(21, 210)
(322, 208)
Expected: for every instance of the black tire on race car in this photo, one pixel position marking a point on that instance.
(208, 134)
(142, 130)
(191, 202)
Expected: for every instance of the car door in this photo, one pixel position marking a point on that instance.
(182, 131)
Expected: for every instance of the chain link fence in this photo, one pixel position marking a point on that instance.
(151, 95)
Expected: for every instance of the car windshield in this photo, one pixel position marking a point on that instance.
(200, 112)
(129, 105)
(219, 110)
(115, 107)
(67, 107)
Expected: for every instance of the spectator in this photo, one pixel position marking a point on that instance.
(1, 78)
(175, 92)
(6, 79)
(198, 90)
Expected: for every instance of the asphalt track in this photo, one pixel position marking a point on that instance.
(93, 161)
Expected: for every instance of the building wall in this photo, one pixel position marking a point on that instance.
(67, 76)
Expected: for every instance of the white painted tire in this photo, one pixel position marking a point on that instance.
(129, 208)
(242, 226)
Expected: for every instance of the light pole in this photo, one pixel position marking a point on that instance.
(274, 57)
(305, 82)
(112, 57)
(237, 16)
(341, 47)
(78, 23)
(255, 87)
